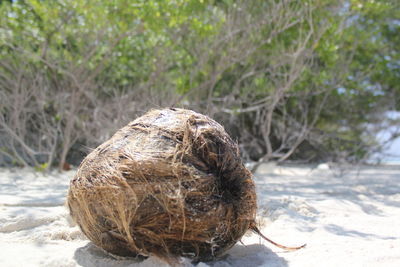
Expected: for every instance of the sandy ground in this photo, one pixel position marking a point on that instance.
(348, 218)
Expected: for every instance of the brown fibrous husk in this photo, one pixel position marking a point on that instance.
(171, 183)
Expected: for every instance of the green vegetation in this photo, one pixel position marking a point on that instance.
(290, 80)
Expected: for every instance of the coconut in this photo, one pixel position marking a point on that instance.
(171, 183)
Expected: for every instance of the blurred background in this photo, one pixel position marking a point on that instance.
(292, 81)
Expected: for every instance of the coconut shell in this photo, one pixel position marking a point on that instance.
(171, 183)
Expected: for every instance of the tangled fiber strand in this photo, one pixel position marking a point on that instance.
(169, 184)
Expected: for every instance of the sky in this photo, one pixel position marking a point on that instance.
(392, 150)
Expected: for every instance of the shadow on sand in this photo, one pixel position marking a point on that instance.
(239, 256)
(250, 256)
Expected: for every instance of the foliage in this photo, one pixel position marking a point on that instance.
(290, 79)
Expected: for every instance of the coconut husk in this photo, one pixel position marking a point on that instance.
(171, 183)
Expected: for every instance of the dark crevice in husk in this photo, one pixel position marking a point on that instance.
(169, 184)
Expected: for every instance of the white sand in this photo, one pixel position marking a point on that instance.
(346, 219)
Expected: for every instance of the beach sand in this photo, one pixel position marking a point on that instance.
(348, 216)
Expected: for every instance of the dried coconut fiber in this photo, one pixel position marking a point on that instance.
(171, 183)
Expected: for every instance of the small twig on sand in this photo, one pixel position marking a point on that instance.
(254, 228)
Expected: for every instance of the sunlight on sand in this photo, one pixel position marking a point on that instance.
(347, 217)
